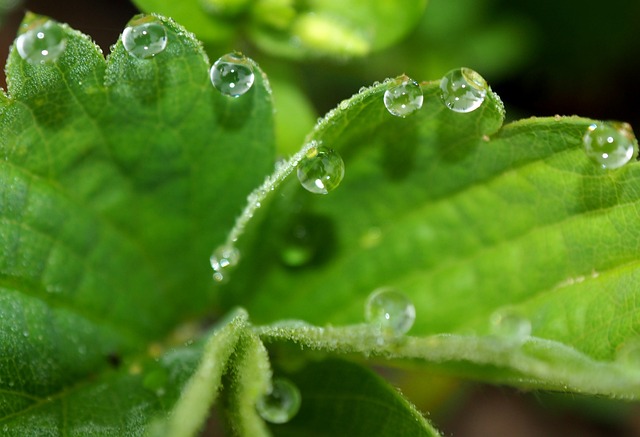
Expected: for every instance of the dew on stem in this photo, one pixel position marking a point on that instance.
(390, 311)
(321, 170)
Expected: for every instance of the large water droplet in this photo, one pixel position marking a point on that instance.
(510, 326)
(463, 90)
(145, 37)
(43, 41)
(223, 259)
(281, 403)
(403, 99)
(232, 74)
(321, 170)
(611, 145)
(390, 311)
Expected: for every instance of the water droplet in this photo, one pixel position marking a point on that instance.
(390, 311)
(611, 145)
(144, 37)
(281, 404)
(43, 41)
(232, 74)
(463, 90)
(321, 170)
(403, 99)
(222, 259)
(510, 326)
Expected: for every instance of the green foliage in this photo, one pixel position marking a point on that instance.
(121, 176)
(297, 29)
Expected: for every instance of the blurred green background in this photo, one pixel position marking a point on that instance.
(542, 58)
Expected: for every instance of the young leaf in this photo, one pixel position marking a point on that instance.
(343, 398)
(472, 221)
(118, 179)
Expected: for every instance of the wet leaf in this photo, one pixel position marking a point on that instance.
(472, 220)
(116, 183)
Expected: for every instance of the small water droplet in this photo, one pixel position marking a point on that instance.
(144, 37)
(463, 90)
(222, 259)
(390, 311)
(403, 99)
(281, 404)
(25, 333)
(321, 170)
(611, 144)
(43, 41)
(232, 74)
(510, 326)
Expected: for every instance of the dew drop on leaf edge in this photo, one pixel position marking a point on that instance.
(463, 90)
(222, 260)
(144, 37)
(510, 326)
(43, 41)
(390, 311)
(403, 99)
(281, 404)
(232, 75)
(610, 144)
(321, 170)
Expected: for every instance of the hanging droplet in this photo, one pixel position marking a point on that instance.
(463, 90)
(43, 41)
(223, 259)
(321, 170)
(281, 404)
(145, 37)
(403, 99)
(510, 326)
(611, 145)
(390, 311)
(232, 74)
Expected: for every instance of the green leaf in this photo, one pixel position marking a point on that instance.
(199, 393)
(343, 398)
(469, 219)
(351, 28)
(117, 181)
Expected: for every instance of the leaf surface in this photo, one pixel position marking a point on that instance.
(117, 182)
(471, 220)
(343, 398)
